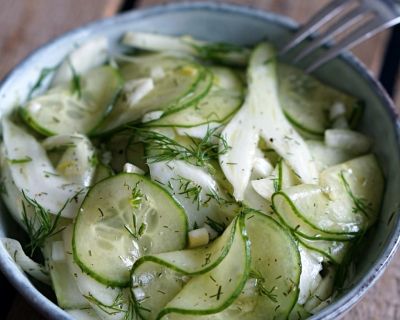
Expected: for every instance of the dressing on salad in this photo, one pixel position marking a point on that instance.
(187, 180)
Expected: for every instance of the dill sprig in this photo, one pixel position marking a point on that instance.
(219, 51)
(136, 197)
(261, 290)
(217, 226)
(136, 200)
(135, 232)
(199, 152)
(21, 160)
(111, 309)
(360, 204)
(214, 195)
(121, 304)
(134, 309)
(75, 81)
(41, 225)
(42, 76)
(190, 190)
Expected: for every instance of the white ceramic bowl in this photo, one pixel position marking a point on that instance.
(245, 26)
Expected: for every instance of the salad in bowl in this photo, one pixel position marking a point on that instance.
(178, 178)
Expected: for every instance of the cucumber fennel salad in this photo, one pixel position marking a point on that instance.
(181, 179)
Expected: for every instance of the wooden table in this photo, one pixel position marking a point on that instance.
(25, 25)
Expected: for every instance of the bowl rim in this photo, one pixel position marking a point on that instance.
(51, 310)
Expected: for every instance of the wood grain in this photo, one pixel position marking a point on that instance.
(25, 25)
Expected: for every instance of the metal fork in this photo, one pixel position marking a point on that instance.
(378, 15)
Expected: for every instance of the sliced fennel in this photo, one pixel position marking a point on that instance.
(262, 117)
(91, 54)
(195, 189)
(307, 102)
(31, 267)
(62, 280)
(33, 173)
(78, 162)
(213, 51)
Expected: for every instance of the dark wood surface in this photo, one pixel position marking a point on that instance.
(27, 24)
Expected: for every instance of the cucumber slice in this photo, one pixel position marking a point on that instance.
(61, 111)
(109, 303)
(169, 271)
(306, 101)
(339, 206)
(275, 273)
(223, 100)
(217, 106)
(334, 251)
(222, 52)
(271, 290)
(182, 83)
(356, 189)
(102, 172)
(122, 218)
(213, 291)
(290, 205)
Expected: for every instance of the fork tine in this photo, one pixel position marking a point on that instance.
(365, 31)
(343, 23)
(325, 14)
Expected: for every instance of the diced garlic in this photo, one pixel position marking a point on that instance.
(34, 107)
(264, 187)
(150, 116)
(137, 89)
(131, 168)
(57, 251)
(340, 123)
(338, 109)
(212, 234)
(198, 238)
(157, 72)
(139, 294)
(261, 168)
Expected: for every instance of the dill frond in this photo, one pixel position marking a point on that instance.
(75, 81)
(360, 204)
(42, 76)
(217, 226)
(199, 152)
(135, 201)
(41, 225)
(261, 290)
(190, 190)
(21, 160)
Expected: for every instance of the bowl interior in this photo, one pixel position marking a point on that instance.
(216, 22)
